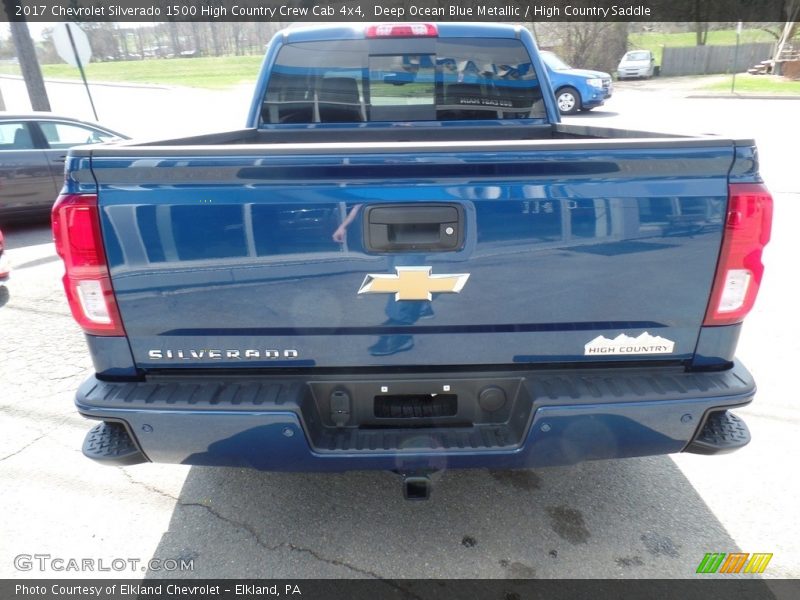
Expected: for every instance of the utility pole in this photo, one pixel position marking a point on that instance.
(736, 55)
(28, 62)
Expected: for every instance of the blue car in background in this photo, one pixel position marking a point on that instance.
(576, 89)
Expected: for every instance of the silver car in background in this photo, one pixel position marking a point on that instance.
(636, 63)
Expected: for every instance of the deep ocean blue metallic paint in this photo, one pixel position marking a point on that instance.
(244, 246)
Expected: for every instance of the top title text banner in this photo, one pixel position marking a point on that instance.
(398, 10)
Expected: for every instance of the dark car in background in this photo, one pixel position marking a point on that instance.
(32, 151)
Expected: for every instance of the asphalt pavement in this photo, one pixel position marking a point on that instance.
(650, 517)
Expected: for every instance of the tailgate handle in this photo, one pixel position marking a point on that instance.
(413, 227)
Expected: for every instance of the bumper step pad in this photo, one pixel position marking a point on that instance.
(723, 432)
(110, 444)
(481, 437)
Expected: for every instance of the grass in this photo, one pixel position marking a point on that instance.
(764, 84)
(655, 42)
(204, 72)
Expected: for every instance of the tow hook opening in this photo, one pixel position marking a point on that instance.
(416, 486)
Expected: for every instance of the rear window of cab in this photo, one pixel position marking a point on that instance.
(378, 80)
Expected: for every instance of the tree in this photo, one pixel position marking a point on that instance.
(174, 38)
(701, 32)
(593, 45)
(790, 27)
(704, 14)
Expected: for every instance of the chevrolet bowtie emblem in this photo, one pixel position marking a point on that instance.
(413, 283)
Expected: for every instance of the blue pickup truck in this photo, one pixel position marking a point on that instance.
(406, 262)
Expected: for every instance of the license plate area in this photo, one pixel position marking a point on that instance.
(370, 403)
(415, 406)
(437, 413)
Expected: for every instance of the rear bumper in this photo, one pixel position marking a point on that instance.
(552, 418)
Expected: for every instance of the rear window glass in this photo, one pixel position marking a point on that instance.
(66, 135)
(15, 136)
(431, 79)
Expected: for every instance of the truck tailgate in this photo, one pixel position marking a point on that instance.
(563, 253)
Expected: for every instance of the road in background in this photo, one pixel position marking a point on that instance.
(141, 111)
(651, 517)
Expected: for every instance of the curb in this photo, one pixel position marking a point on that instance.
(121, 84)
(744, 96)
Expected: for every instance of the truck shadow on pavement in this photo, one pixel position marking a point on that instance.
(626, 518)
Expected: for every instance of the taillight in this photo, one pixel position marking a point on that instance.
(388, 30)
(747, 229)
(76, 231)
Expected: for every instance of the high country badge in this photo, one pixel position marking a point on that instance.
(625, 344)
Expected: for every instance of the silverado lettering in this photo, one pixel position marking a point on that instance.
(220, 354)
